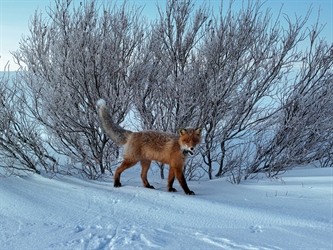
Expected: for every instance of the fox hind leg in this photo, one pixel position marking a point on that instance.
(123, 166)
(145, 164)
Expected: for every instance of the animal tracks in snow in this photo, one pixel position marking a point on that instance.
(113, 236)
(224, 243)
(256, 229)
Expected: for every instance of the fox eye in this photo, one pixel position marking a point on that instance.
(186, 140)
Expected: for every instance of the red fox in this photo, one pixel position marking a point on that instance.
(147, 146)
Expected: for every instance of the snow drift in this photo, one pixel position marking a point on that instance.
(70, 213)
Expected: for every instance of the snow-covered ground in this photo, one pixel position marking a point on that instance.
(71, 213)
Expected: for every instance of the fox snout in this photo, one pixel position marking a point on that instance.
(187, 150)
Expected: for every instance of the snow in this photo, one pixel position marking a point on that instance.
(70, 213)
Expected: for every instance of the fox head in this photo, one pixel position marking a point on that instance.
(189, 138)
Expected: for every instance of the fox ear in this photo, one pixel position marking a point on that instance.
(198, 131)
(182, 131)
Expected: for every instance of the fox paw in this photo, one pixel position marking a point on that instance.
(172, 189)
(150, 186)
(117, 184)
(190, 192)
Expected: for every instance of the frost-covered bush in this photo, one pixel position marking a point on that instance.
(263, 100)
(21, 144)
(301, 131)
(74, 56)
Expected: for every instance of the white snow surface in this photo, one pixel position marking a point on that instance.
(71, 213)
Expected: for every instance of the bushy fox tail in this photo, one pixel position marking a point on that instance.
(114, 131)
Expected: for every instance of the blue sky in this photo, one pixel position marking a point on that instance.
(15, 16)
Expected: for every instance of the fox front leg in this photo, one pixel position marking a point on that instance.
(171, 179)
(182, 181)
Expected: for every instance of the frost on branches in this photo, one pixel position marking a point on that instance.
(22, 147)
(263, 100)
(73, 58)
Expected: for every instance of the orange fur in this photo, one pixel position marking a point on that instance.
(147, 146)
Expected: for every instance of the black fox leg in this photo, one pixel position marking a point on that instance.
(182, 181)
(124, 165)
